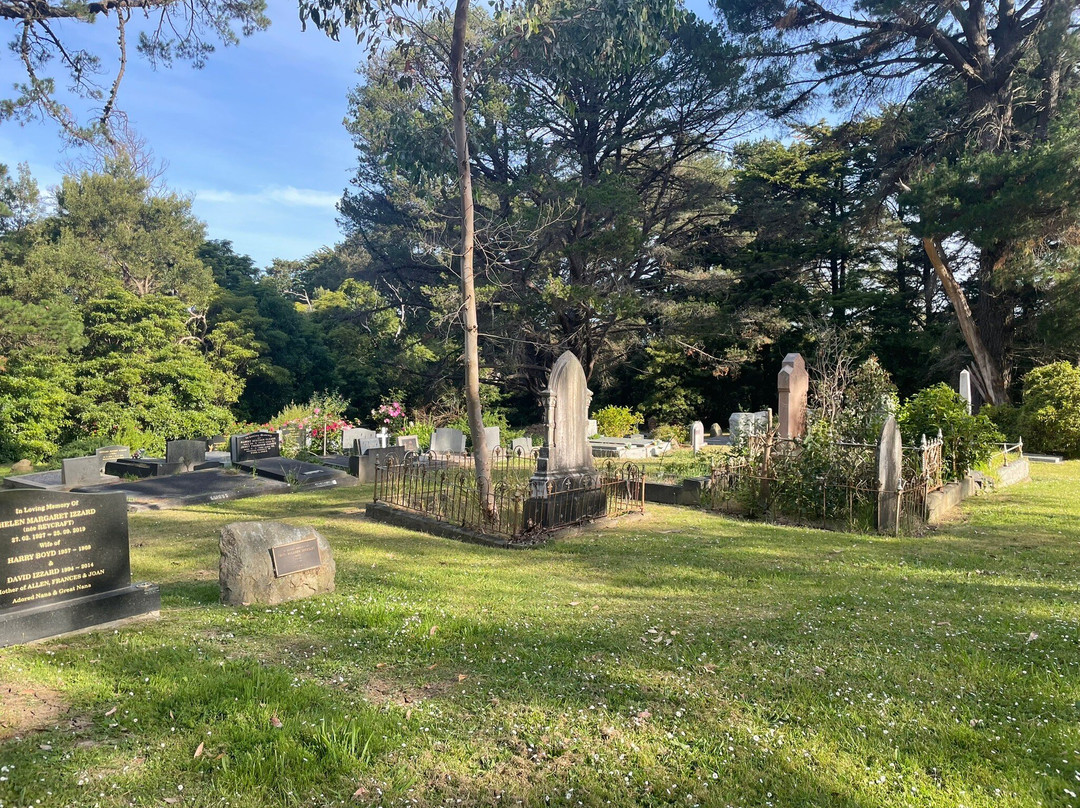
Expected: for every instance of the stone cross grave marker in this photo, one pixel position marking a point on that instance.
(792, 383)
(64, 565)
(890, 462)
(965, 388)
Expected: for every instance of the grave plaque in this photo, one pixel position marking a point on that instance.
(254, 446)
(64, 564)
(107, 453)
(297, 556)
(410, 443)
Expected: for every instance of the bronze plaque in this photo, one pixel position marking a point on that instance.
(296, 556)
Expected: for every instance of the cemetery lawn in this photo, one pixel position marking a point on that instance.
(678, 659)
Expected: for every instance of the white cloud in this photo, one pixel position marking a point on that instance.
(286, 196)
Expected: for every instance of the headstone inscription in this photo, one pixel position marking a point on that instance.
(446, 439)
(965, 388)
(107, 453)
(254, 446)
(697, 436)
(890, 460)
(792, 384)
(64, 565)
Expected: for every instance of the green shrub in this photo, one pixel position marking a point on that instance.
(671, 432)
(1050, 415)
(616, 422)
(1006, 418)
(869, 400)
(969, 440)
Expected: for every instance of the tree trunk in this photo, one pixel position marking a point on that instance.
(987, 372)
(468, 289)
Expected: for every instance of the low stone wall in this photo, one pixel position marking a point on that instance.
(1017, 471)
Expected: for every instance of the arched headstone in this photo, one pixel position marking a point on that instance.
(566, 457)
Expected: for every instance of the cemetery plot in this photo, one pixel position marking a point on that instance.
(194, 488)
(297, 472)
(64, 564)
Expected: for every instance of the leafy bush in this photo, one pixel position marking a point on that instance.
(616, 422)
(1050, 415)
(671, 432)
(869, 399)
(1006, 418)
(969, 440)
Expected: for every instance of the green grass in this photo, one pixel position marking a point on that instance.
(677, 659)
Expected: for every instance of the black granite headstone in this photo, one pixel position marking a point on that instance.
(142, 468)
(254, 446)
(64, 564)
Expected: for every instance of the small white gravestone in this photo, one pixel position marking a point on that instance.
(697, 436)
(965, 388)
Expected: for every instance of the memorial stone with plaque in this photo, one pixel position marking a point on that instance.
(271, 562)
(64, 565)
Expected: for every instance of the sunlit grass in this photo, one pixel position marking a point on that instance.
(676, 659)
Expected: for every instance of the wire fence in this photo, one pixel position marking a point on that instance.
(443, 487)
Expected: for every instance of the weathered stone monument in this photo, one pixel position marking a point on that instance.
(446, 440)
(271, 562)
(744, 425)
(965, 388)
(492, 438)
(793, 384)
(890, 462)
(522, 445)
(563, 487)
(64, 565)
(697, 436)
(715, 431)
(352, 434)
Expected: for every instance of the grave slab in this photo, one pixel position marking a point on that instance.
(64, 565)
(47, 480)
(142, 468)
(194, 488)
(297, 472)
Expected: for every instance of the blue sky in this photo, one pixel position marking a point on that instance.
(255, 137)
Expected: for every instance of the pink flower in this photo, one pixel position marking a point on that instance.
(317, 410)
